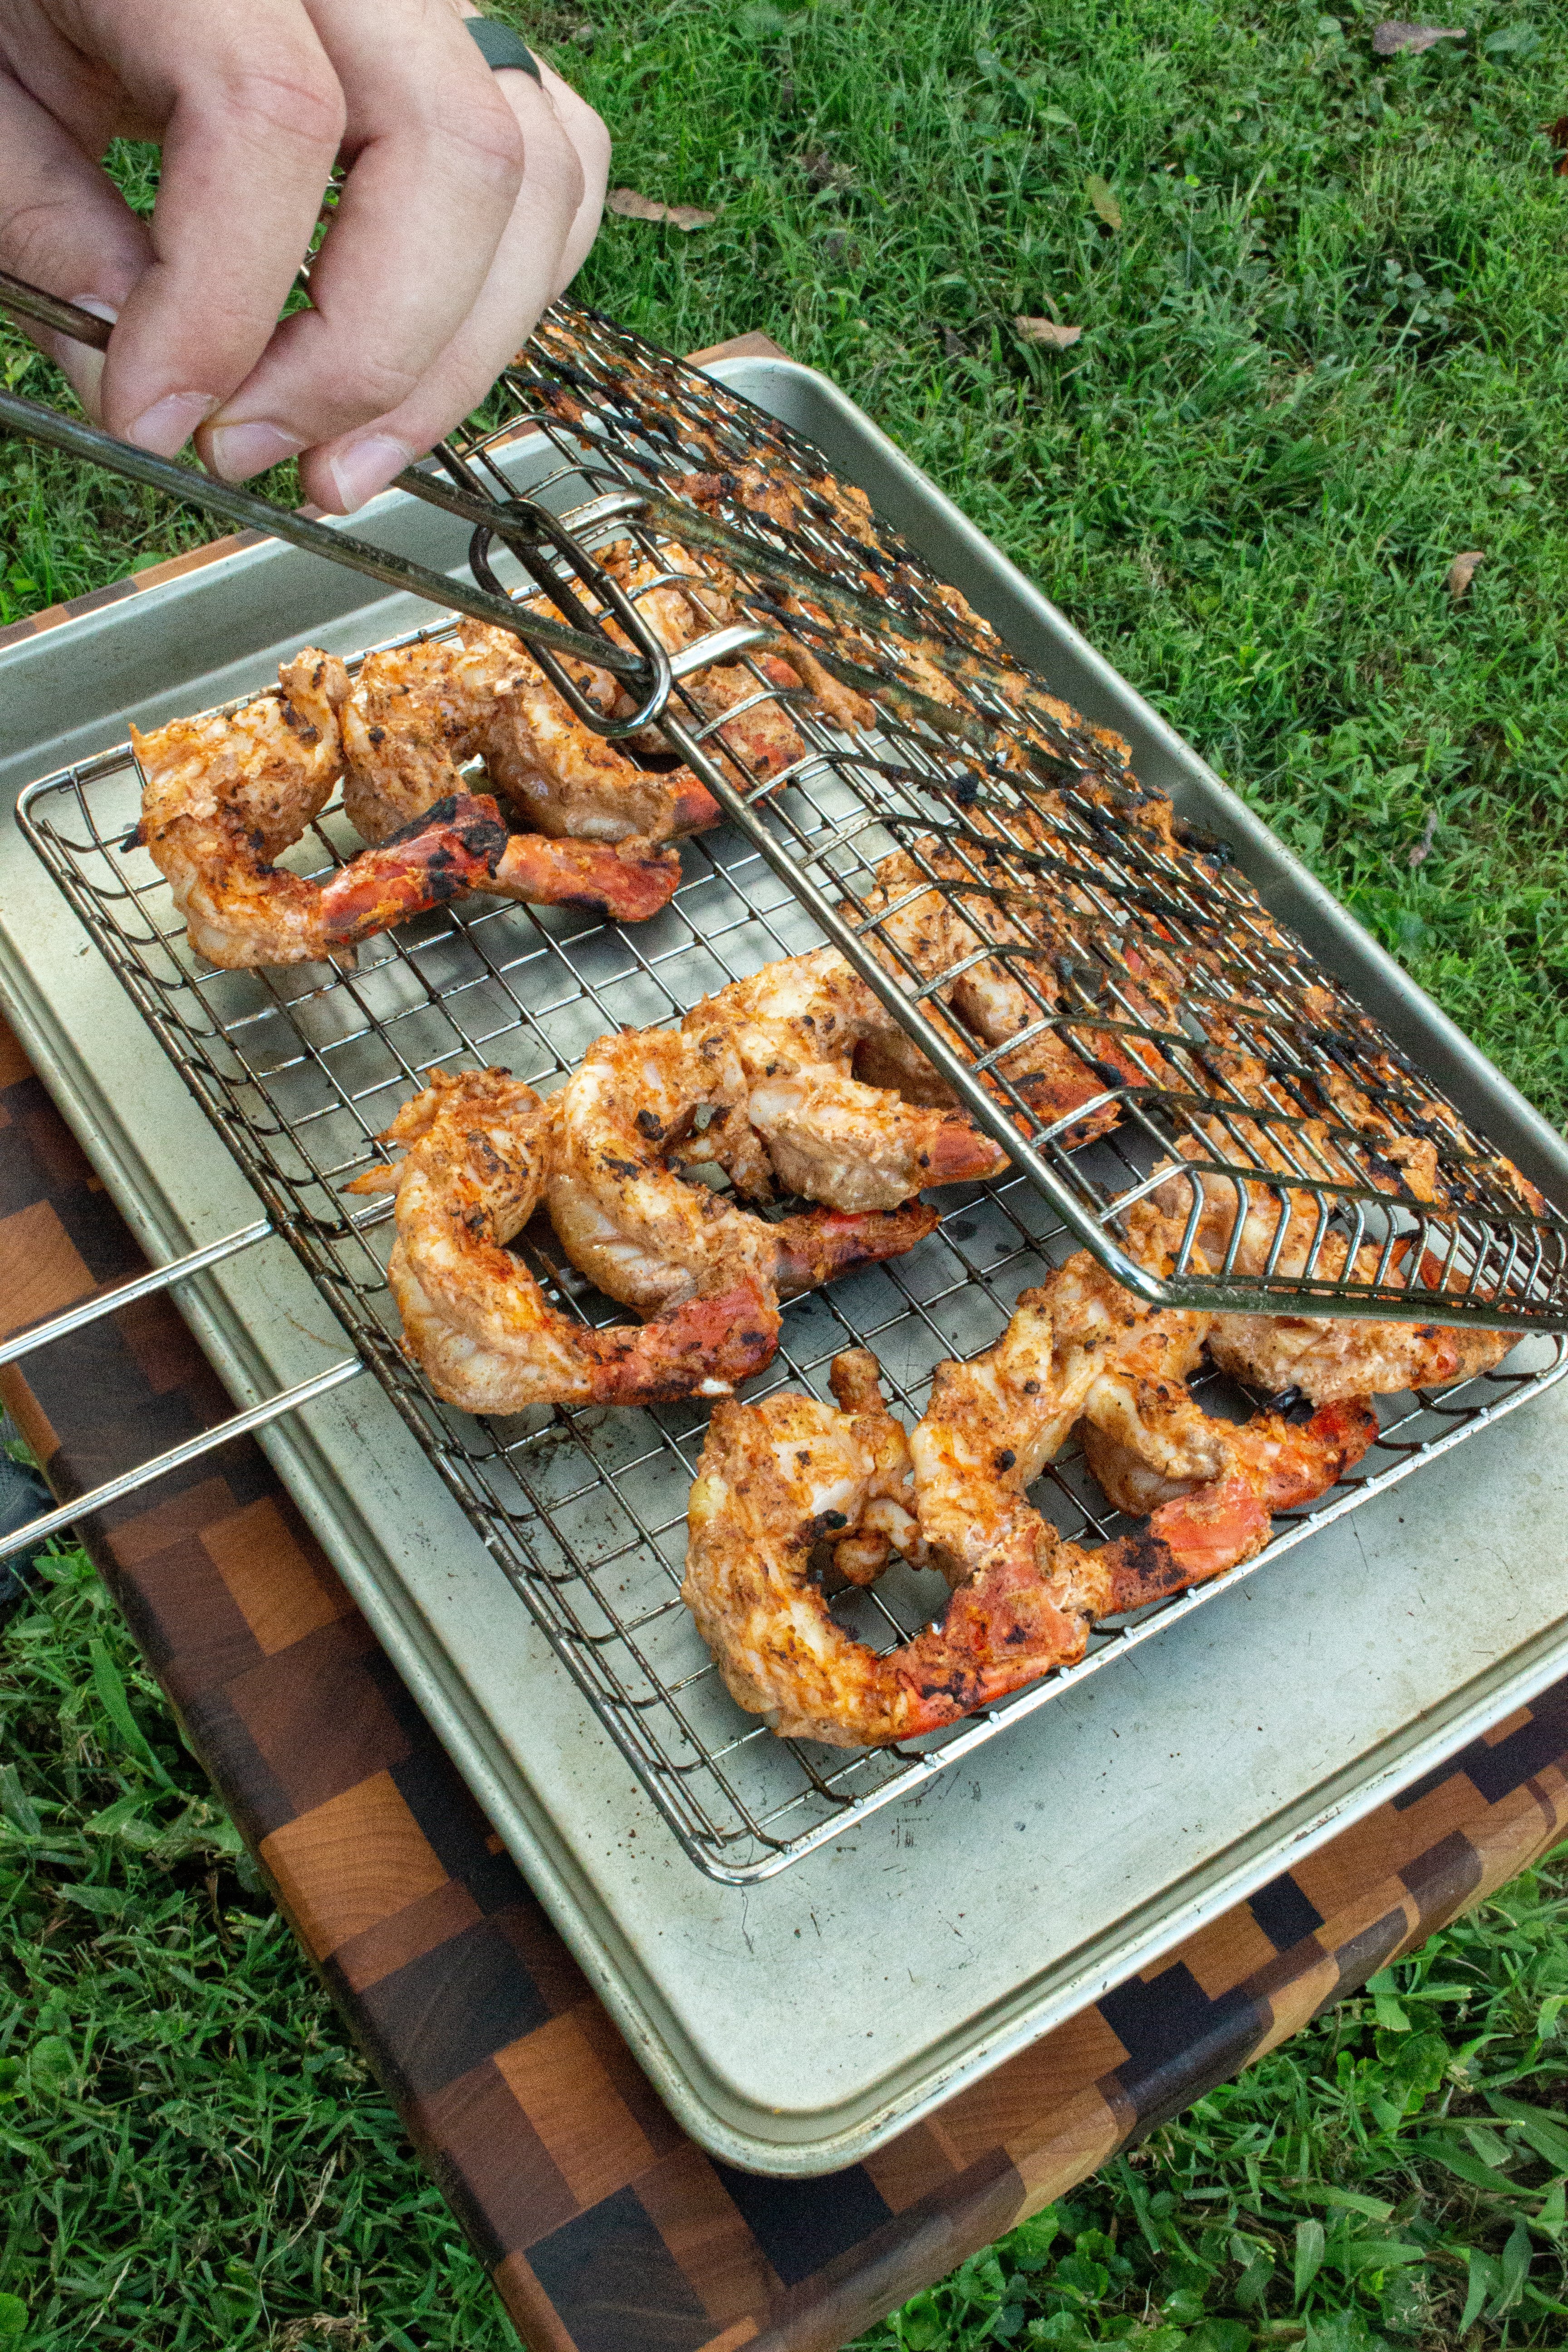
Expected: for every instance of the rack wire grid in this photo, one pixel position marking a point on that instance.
(301, 1069)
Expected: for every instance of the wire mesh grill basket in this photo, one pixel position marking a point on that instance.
(846, 713)
(1073, 957)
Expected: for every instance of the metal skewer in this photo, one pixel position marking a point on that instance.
(645, 669)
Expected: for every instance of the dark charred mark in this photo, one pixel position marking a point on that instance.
(650, 1126)
(620, 1167)
(1198, 838)
(378, 734)
(1007, 1458)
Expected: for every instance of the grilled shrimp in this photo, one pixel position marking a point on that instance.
(1330, 1359)
(1326, 1357)
(778, 1478)
(922, 931)
(791, 1031)
(649, 1237)
(682, 605)
(756, 1080)
(1125, 1366)
(418, 712)
(477, 1152)
(225, 797)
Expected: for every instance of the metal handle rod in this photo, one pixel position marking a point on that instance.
(37, 423)
(48, 310)
(240, 1424)
(126, 1294)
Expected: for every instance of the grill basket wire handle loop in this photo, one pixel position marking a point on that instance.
(579, 637)
(148, 1285)
(537, 528)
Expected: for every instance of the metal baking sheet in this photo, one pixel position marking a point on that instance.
(1035, 1874)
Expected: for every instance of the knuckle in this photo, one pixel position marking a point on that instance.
(377, 383)
(488, 138)
(290, 95)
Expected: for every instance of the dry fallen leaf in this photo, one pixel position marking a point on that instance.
(1420, 851)
(1557, 132)
(1098, 191)
(1389, 39)
(1462, 570)
(1047, 331)
(631, 206)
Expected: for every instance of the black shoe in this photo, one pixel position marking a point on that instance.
(22, 1496)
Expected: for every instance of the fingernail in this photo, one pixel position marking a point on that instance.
(169, 423)
(238, 451)
(83, 363)
(366, 466)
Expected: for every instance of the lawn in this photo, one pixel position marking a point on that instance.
(1323, 297)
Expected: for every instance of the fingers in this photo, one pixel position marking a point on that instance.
(64, 226)
(591, 141)
(552, 223)
(471, 200)
(253, 115)
(438, 162)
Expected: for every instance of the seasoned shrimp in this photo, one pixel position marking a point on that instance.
(778, 1478)
(418, 712)
(653, 1239)
(682, 605)
(476, 1152)
(756, 1081)
(1328, 1358)
(791, 1032)
(225, 797)
(922, 929)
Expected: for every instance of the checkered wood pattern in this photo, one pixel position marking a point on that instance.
(603, 2228)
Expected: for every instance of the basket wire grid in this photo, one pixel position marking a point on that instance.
(586, 1510)
(1150, 987)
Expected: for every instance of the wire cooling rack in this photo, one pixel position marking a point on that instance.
(586, 1511)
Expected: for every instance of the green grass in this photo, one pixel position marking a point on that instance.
(1323, 354)
(191, 2156)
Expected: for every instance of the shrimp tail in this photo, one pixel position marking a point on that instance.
(703, 1347)
(692, 808)
(1332, 1442)
(591, 874)
(822, 1244)
(1186, 1541)
(450, 850)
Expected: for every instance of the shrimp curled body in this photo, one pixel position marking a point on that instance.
(225, 797)
(479, 1146)
(778, 1478)
(755, 1081)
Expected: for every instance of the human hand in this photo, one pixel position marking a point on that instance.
(471, 200)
